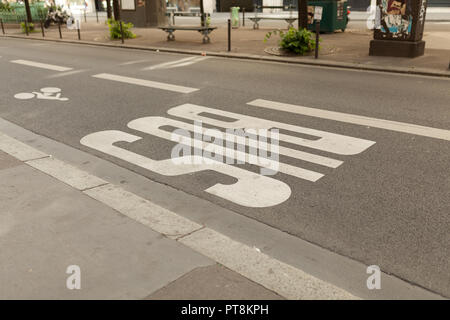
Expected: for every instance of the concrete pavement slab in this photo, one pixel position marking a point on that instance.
(47, 226)
(213, 283)
(6, 161)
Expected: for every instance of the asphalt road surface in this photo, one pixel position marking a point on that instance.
(365, 180)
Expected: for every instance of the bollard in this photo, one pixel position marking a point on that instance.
(42, 29)
(26, 27)
(78, 29)
(121, 31)
(316, 53)
(243, 17)
(96, 15)
(3, 28)
(229, 34)
(85, 19)
(59, 28)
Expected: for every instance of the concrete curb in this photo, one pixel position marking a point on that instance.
(319, 63)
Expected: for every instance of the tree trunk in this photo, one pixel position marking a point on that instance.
(116, 8)
(202, 13)
(28, 11)
(302, 14)
(108, 9)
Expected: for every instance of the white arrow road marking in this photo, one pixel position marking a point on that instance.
(177, 63)
(250, 190)
(145, 83)
(41, 65)
(355, 119)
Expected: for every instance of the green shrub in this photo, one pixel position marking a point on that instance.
(114, 30)
(297, 41)
(29, 25)
(5, 7)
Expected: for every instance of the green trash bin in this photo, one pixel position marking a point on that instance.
(234, 11)
(334, 15)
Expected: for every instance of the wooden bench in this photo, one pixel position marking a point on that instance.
(203, 30)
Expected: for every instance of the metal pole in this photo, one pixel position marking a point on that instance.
(121, 30)
(42, 29)
(3, 28)
(85, 19)
(78, 29)
(59, 28)
(243, 17)
(316, 52)
(26, 27)
(229, 34)
(96, 14)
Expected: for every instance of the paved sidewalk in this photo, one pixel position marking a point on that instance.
(46, 226)
(345, 49)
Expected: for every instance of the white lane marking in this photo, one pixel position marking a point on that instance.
(177, 63)
(250, 189)
(64, 74)
(41, 65)
(145, 83)
(132, 62)
(355, 119)
(149, 214)
(282, 278)
(19, 150)
(66, 173)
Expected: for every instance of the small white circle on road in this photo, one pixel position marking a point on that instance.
(50, 90)
(24, 96)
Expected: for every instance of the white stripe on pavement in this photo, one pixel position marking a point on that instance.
(66, 173)
(284, 279)
(176, 63)
(153, 216)
(132, 62)
(18, 149)
(64, 74)
(145, 83)
(355, 119)
(41, 65)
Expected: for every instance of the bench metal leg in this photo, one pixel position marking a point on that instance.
(170, 36)
(206, 38)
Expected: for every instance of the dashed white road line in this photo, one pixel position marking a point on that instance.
(132, 62)
(355, 119)
(177, 63)
(64, 74)
(145, 83)
(284, 279)
(42, 65)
